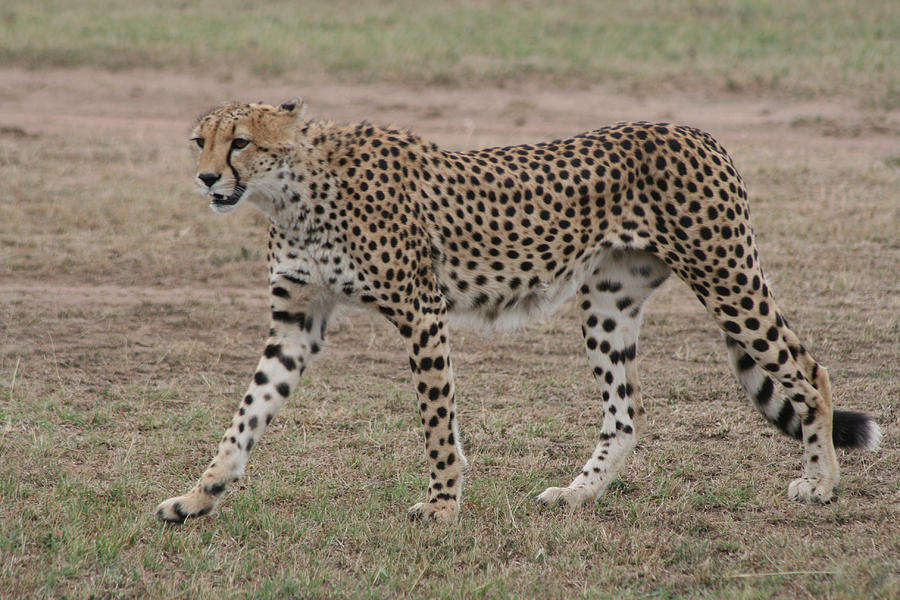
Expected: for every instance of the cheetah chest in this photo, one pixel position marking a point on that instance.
(320, 266)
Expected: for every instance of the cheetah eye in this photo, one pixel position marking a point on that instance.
(239, 143)
(199, 141)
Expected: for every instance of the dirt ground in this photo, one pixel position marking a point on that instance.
(188, 308)
(161, 105)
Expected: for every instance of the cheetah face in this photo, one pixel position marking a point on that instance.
(238, 147)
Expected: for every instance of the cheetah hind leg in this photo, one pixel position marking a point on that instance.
(607, 459)
(612, 300)
(771, 353)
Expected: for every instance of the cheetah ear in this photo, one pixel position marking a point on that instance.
(297, 104)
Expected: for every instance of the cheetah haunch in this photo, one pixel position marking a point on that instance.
(382, 219)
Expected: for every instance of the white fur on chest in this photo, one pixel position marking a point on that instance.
(323, 268)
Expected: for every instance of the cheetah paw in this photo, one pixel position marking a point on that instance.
(569, 497)
(442, 511)
(808, 490)
(180, 508)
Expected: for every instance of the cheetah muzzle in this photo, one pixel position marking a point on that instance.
(222, 203)
(378, 218)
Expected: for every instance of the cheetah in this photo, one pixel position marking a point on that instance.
(379, 218)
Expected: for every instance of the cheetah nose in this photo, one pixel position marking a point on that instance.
(209, 178)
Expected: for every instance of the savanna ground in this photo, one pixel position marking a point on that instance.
(131, 317)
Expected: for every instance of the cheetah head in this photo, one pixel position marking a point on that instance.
(238, 147)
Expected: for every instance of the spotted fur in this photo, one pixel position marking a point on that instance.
(379, 218)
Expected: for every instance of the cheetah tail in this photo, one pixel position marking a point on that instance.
(855, 430)
(849, 429)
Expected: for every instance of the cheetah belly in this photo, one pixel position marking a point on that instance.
(497, 304)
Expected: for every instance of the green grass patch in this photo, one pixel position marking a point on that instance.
(804, 47)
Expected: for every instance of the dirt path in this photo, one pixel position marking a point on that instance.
(113, 295)
(161, 105)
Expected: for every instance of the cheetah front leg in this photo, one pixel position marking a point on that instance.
(297, 333)
(429, 359)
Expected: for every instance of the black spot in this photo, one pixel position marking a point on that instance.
(785, 416)
(731, 327)
(745, 363)
(214, 489)
(609, 286)
(288, 317)
(287, 362)
(760, 345)
(764, 394)
(729, 310)
(624, 303)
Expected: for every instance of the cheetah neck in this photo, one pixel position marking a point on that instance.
(300, 189)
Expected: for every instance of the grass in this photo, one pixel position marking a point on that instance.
(804, 47)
